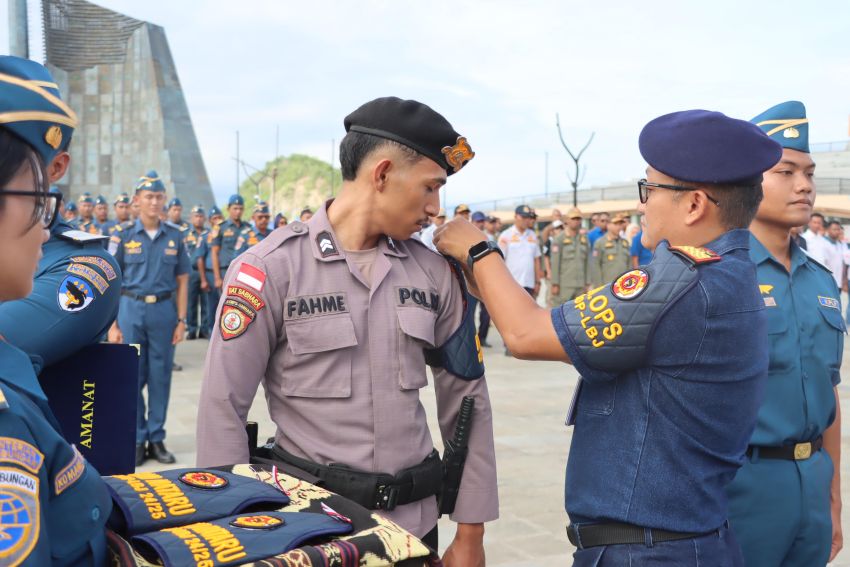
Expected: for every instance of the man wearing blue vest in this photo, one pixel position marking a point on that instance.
(785, 502)
(152, 312)
(672, 356)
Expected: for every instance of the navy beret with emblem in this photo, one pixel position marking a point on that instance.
(150, 182)
(85, 198)
(787, 124)
(31, 108)
(122, 198)
(414, 125)
(198, 209)
(100, 200)
(175, 202)
(235, 200)
(72, 207)
(262, 208)
(702, 146)
(214, 211)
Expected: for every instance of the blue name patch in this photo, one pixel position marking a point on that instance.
(20, 452)
(829, 302)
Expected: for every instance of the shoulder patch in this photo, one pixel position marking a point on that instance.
(89, 275)
(101, 263)
(74, 294)
(20, 515)
(696, 255)
(80, 236)
(326, 244)
(19, 452)
(70, 473)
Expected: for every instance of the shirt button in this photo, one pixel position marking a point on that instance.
(297, 228)
(95, 514)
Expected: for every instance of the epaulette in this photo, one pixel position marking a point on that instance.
(4, 404)
(696, 255)
(295, 228)
(81, 236)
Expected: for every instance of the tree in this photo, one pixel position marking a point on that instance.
(574, 179)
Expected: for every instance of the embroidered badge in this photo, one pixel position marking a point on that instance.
(74, 294)
(696, 255)
(234, 321)
(251, 276)
(228, 233)
(171, 251)
(19, 515)
(791, 132)
(260, 522)
(765, 289)
(89, 275)
(411, 296)
(830, 302)
(71, 473)
(53, 137)
(326, 245)
(247, 295)
(20, 453)
(203, 479)
(630, 285)
(99, 262)
(133, 247)
(769, 301)
(459, 154)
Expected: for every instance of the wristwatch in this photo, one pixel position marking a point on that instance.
(182, 320)
(478, 251)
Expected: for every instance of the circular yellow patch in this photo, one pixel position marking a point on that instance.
(203, 479)
(630, 285)
(260, 522)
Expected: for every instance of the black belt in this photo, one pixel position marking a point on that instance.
(148, 298)
(594, 535)
(375, 491)
(796, 452)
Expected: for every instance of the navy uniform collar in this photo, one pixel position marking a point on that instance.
(736, 239)
(759, 254)
(138, 228)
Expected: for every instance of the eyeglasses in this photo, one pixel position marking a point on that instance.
(46, 204)
(644, 186)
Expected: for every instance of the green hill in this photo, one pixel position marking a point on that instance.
(299, 181)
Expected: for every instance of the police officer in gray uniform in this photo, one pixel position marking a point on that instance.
(333, 316)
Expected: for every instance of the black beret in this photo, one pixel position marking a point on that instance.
(701, 146)
(414, 125)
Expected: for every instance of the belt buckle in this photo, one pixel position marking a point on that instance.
(802, 451)
(150, 299)
(387, 497)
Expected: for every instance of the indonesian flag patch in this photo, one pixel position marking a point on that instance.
(251, 276)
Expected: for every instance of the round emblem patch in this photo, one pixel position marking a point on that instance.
(261, 522)
(630, 285)
(203, 479)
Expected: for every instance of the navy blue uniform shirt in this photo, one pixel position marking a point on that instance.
(150, 266)
(225, 235)
(673, 376)
(806, 333)
(74, 299)
(54, 503)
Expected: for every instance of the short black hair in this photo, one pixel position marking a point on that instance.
(356, 146)
(739, 202)
(832, 222)
(817, 215)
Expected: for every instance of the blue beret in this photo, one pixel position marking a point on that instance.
(235, 200)
(100, 200)
(198, 209)
(262, 208)
(85, 198)
(478, 216)
(175, 202)
(31, 108)
(701, 146)
(787, 124)
(122, 198)
(414, 125)
(71, 207)
(214, 211)
(150, 182)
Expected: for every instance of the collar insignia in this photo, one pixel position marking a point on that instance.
(765, 289)
(696, 254)
(459, 154)
(326, 244)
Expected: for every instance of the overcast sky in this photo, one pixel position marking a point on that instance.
(499, 71)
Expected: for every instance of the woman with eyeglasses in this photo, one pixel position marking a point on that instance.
(672, 355)
(53, 504)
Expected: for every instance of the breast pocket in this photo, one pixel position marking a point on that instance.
(830, 336)
(416, 333)
(597, 397)
(781, 359)
(317, 360)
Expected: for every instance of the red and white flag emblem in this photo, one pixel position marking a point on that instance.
(251, 276)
